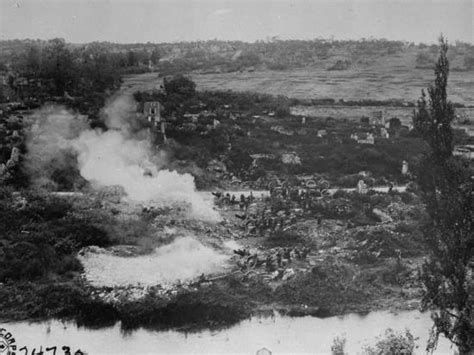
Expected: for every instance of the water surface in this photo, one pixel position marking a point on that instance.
(282, 335)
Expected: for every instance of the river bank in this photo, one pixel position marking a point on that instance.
(191, 307)
(281, 335)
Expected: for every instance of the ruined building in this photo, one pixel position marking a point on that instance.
(404, 167)
(152, 113)
(377, 118)
(365, 139)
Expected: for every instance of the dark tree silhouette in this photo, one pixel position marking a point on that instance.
(447, 186)
(395, 123)
(181, 86)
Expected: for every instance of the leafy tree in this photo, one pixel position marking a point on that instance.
(155, 56)
(59, 65)
(98, 69)
(180, 85)
(131, 58)
(447, 187)
(395, 123)
(33, 61)
(180, 92)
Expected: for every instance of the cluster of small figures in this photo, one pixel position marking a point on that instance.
(276, 217)
(302, 198)
(273, 259)
(296, 203)
(272, 220)
(260, 223)
(231, 200)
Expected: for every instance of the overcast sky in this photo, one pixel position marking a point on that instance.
(129, 21)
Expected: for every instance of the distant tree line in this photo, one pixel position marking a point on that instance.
(79, 75)
(214, 56)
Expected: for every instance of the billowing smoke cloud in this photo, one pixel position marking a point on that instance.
(120, 114)
(121, 156)
(51, 158)
(107, 159)
(184, 259)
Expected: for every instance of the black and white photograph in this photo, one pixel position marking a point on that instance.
(259, 177)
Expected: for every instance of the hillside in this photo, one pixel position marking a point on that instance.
(231, 56)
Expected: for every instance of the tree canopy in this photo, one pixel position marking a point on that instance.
(447, 186)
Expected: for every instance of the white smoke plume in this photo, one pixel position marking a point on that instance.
(120, 156)
(183, 260)
(120, 113)
(108, 158)
(49, 145)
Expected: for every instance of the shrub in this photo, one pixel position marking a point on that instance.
(340, 65)
(338, 346)
(282, 110)
(393, 344)
(395, 123)
(39, 235)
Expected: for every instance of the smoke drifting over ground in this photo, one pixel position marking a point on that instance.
(61, 141)
(183, 260)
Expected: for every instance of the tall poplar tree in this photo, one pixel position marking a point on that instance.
(446, 182)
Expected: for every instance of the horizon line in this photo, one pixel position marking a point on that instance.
(272, 39)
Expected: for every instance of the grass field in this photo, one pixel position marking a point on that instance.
(354, 84)
(381, 81)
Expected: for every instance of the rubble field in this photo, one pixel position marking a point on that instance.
(266, 255)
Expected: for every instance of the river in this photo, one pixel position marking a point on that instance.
(282, 335)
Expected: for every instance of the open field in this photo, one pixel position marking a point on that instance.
(371, 73)
(357, 84)
(378, 83)
(140, 82)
